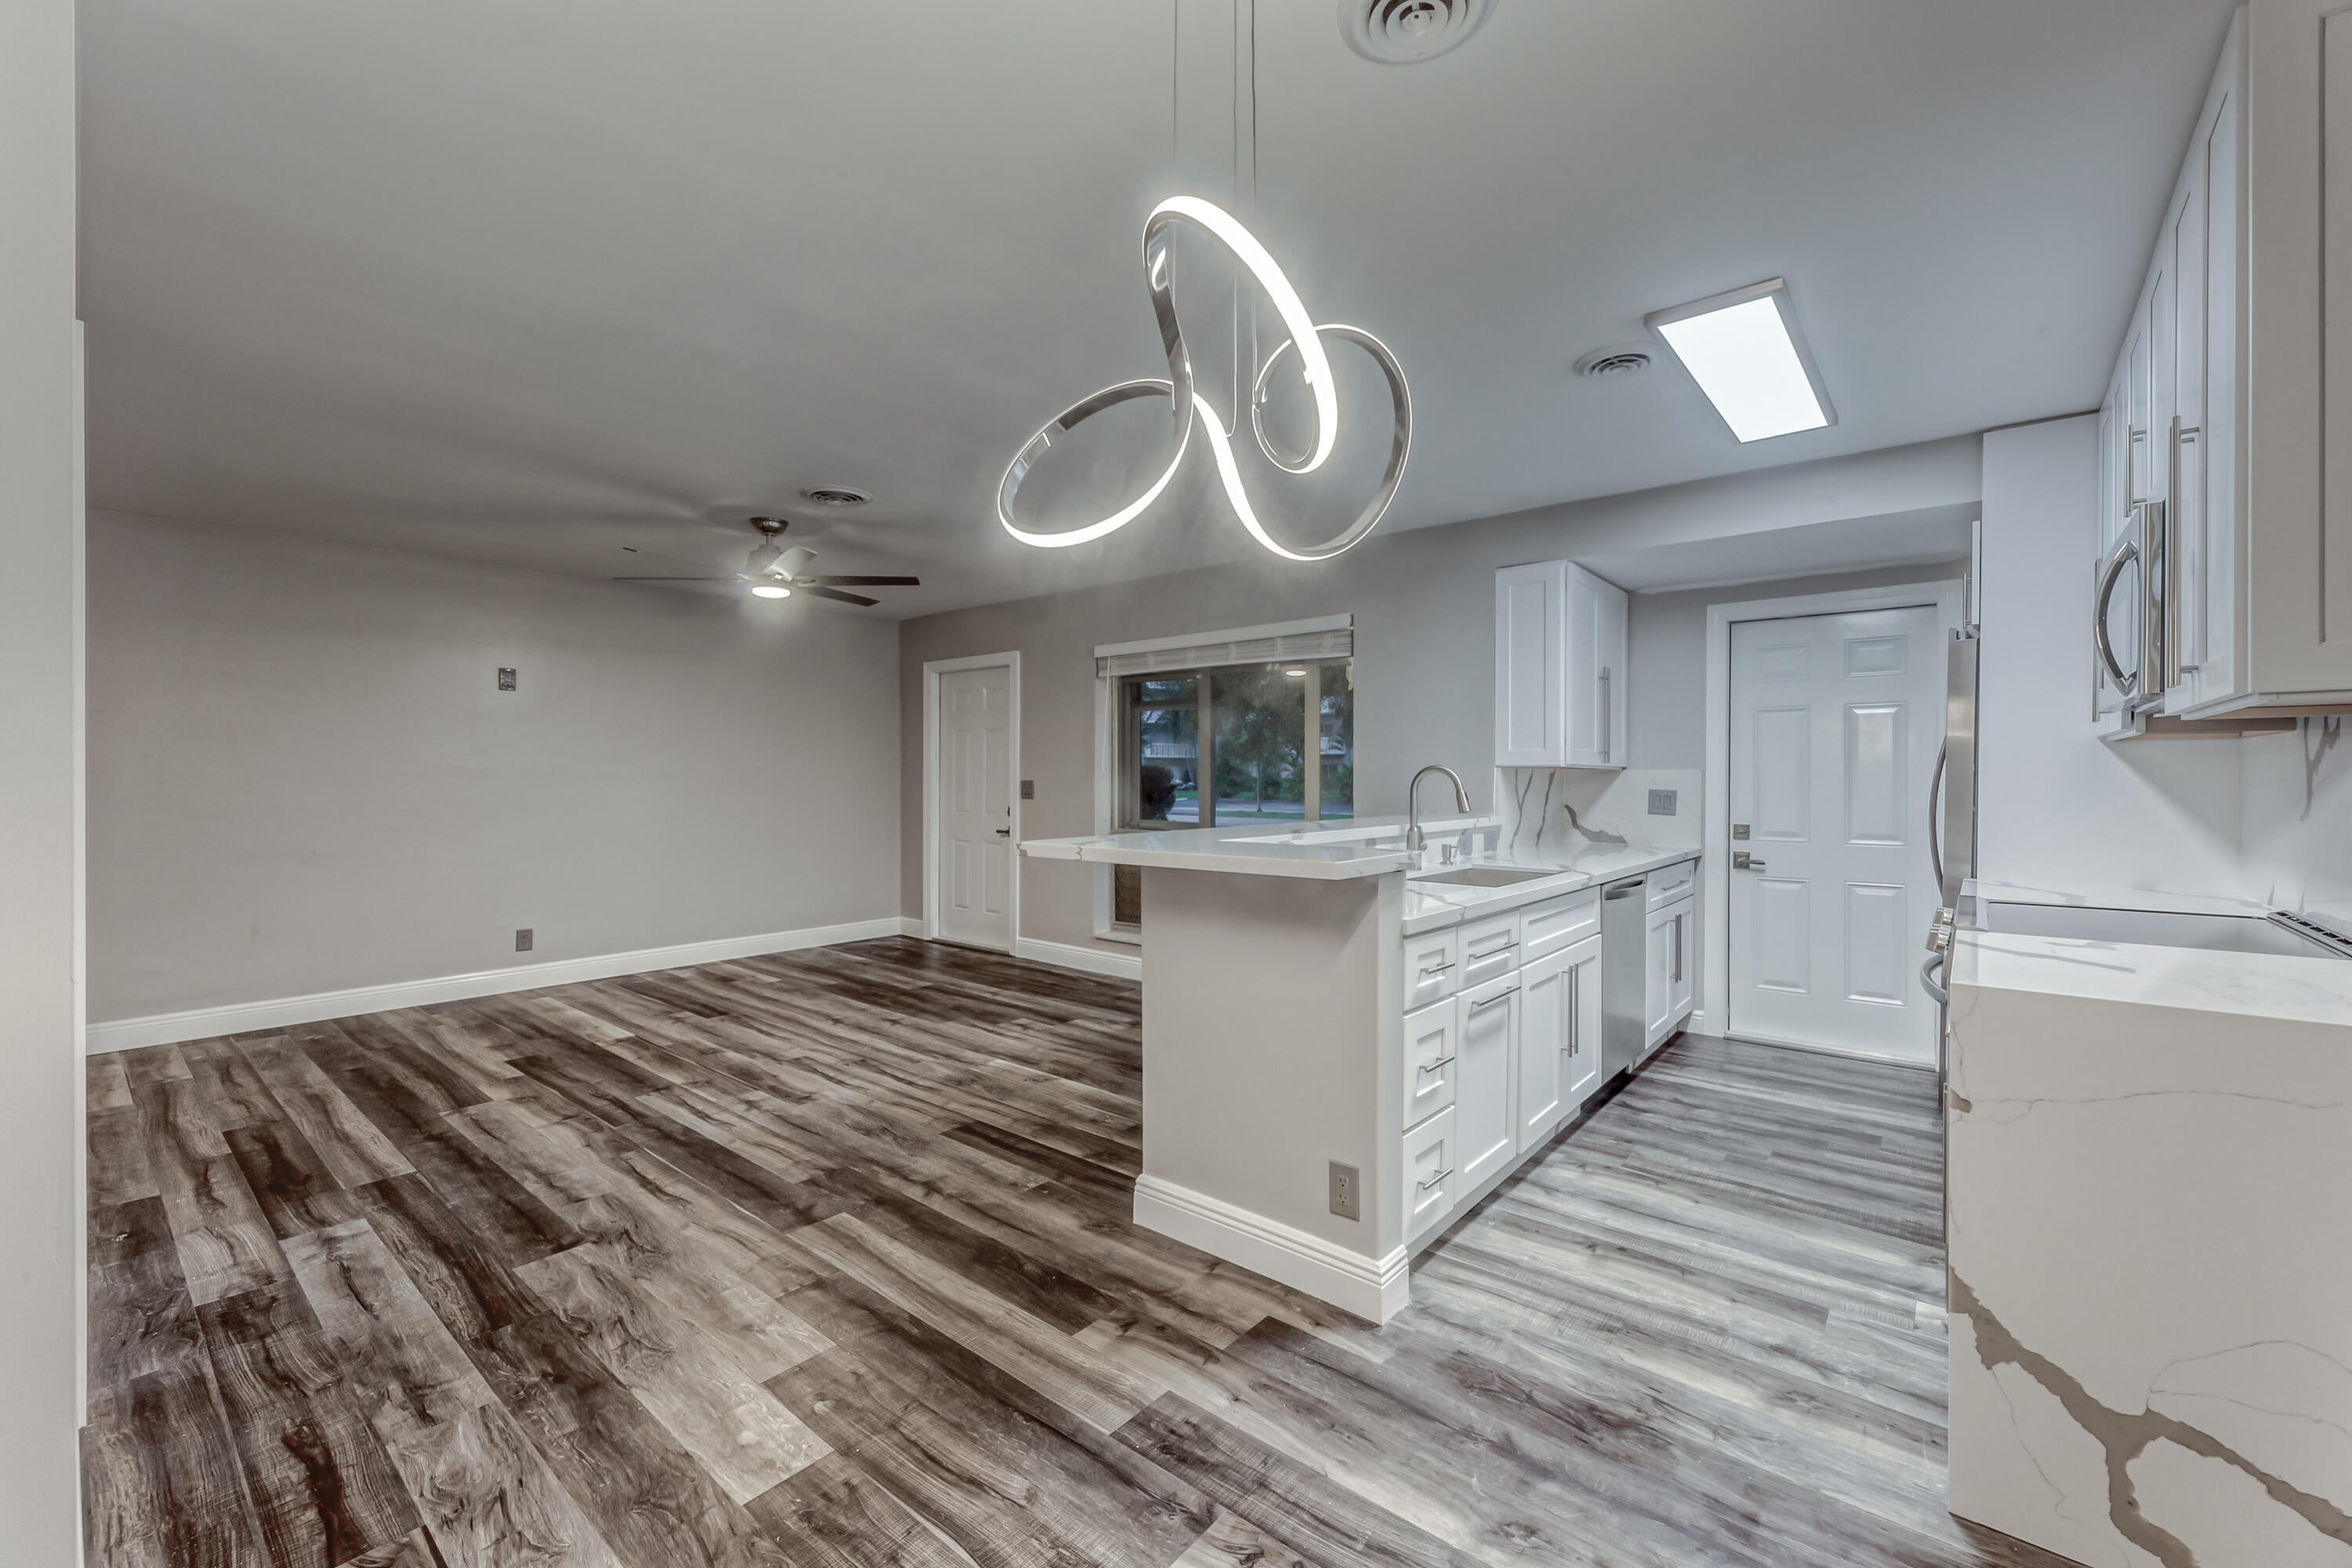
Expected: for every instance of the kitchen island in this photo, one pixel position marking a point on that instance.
(2149, 1153)
(1347, 1042)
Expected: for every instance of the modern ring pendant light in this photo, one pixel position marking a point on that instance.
(1188, 408)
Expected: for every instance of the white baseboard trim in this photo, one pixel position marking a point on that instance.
(1069, 955)
(1375, 1288)
(237, 1018)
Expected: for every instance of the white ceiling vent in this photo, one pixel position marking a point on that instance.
(836, 494)
(1399, 32)
(1602, 364)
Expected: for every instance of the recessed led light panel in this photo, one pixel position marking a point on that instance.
(1744, 350)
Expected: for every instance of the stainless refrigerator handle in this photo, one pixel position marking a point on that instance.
(2126, 553)
(1935, 993)
(1935, 829)
(2154, 563)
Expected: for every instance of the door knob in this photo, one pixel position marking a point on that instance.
(1005, 833)
(1741, 860)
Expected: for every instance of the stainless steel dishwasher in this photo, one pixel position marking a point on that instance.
(1624, 975)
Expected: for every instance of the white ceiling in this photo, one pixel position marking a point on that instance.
(530, 281)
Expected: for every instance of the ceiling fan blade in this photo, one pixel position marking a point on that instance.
(823, 593)
(674, 579)
(864, 582)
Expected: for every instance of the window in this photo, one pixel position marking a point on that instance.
(1232, 744)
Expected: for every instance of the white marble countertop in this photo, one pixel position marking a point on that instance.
(1432, 907)
(2312, 990)
(1371, 846)
(1366, 847)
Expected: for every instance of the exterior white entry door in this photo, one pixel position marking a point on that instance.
(1834, 724)
(974, 792)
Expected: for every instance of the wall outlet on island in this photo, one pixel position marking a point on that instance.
(1662, 803)
(1347, 1191)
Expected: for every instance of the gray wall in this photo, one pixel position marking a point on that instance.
(2057, 807)
(1423, 603)
(303, 778)
(39, 597)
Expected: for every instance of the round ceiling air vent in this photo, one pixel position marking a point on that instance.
(836, 494)
(1401, 32)
(1601, 364)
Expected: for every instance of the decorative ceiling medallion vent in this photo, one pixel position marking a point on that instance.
(1602, 364)
(1403, 32)
(1190, 409)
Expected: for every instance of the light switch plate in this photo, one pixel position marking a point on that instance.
(1028, 789)
(1346, 1191)
(1662, 803)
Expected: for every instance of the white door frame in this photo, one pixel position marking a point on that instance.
(932, 670)
(1713, 1014)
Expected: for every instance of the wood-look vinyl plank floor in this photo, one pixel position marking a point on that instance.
(824, 1260)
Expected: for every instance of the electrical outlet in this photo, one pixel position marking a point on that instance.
(505, 678)
(1662, 803)
(1347, 1191)
(522, 938)
(1028, 789)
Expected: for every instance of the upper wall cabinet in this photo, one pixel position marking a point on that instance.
(2225, 546)
(1559, 668)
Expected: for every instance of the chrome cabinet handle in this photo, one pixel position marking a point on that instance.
(1489, 1002)
(1434, 1180)
(1439, 1062)
(2126, 553)
(1608, 728)
(1677, 976)
(1437, 968)
(2172, 560)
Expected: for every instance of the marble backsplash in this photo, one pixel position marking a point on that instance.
(1541, 807)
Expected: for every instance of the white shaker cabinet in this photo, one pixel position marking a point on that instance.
(1667, 964)
(1486, 1046)
(1560, 1037)
(2227, 430)
(1561, 641)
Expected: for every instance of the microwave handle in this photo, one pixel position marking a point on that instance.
(2126, 553)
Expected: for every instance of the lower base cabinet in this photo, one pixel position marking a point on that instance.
(1487, 1035)
(1667, 988)
(1494, 1073)
(1560, 1037)
(1431, 1174)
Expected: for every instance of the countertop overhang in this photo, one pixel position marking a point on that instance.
(1372, 846)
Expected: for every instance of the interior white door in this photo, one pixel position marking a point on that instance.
(1834, 724)
(974, 797)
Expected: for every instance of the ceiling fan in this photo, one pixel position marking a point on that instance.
(775, 572)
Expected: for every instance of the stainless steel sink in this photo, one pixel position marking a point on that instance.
(1483, 876)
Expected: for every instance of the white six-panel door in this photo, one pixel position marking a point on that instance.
(1834, 724)
(975, 806)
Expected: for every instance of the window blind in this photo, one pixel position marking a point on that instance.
(1338, 642)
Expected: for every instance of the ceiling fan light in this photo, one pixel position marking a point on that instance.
(770, 591)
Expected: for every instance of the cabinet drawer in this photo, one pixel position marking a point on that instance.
(1490, 948)
(1432, 967)
(1430, 1036)
(1430, 1176)
(1670, 883)
(1558, 922)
